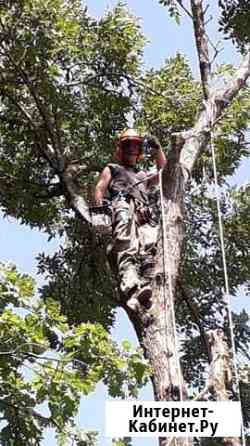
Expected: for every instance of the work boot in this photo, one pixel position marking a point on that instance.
(143, 295)
(129, 280)
(133, 303)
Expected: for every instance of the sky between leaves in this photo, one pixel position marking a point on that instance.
(21, 245)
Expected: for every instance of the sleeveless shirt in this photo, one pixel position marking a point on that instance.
(124, 178)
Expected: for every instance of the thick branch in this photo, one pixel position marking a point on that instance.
(220, 371)
(220, 376)
(201, 44)
(67, 178)
(197, 138)
(72, 193)
(180, 3)
(48, 421)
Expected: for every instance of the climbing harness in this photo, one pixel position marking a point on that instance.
(101, 217)
(224, 262)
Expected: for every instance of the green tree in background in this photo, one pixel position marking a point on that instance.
(67, 86)
(44, 360)
(235, 22)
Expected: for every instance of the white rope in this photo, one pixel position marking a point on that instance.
(226, 293)
(167, 273)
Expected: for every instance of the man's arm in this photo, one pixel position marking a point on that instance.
(102, 184)
(156, 152)
(159, 157)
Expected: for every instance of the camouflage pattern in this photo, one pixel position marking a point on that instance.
(132, 247)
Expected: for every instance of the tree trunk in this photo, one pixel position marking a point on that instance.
(159, 339)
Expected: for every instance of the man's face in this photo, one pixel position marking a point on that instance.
(131, 150)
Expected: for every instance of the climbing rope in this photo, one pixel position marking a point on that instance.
(167, 271)
(224, 262)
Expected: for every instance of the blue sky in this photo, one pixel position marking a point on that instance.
(21, 245)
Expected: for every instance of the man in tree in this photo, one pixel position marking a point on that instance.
(128, 188)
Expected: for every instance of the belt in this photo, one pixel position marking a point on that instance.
(127, 197)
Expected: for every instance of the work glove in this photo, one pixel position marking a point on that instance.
(153, 145)
(153, 142)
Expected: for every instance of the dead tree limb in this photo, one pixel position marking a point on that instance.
(201, 45)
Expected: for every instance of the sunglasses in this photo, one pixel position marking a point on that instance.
(131, 144)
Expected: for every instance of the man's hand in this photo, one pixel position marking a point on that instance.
(154, 145)
(156, 152)
(153, 142)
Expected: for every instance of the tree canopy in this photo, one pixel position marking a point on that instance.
(46, 365)
(235, 22)
(68, 85)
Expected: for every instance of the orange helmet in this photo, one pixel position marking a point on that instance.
(128, 135)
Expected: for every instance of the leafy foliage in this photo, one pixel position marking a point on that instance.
(67, 84)
(78, 277)
(235, 22)
(172, 9)
(169, 99)
(65, 88)
(45, 366)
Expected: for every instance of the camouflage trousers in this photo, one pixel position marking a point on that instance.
(132, 246)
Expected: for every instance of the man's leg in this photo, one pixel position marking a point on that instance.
(148, 236)
(125, 247)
